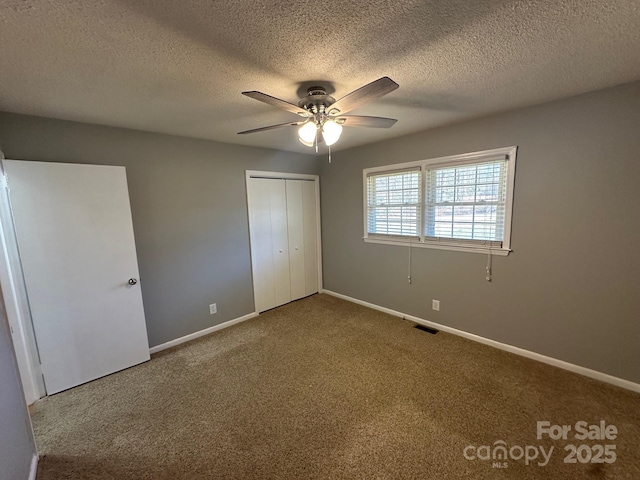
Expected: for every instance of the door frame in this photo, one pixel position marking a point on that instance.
(17, 302)
(285, 176)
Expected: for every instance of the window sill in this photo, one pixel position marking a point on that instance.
(501, 252)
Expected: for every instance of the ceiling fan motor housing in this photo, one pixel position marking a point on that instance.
(317, 100)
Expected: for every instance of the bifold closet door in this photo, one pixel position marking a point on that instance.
(284, 240)
(302, 231)
(269, 242)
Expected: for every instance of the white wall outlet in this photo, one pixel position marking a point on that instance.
(213, 308)
(435, 304)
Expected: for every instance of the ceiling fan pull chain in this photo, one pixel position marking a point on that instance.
(329, 153)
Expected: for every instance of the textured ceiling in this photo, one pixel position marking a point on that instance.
(178, 67)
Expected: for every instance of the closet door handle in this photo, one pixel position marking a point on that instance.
(280, 250)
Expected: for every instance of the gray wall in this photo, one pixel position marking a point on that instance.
(569, 290)
(571, 287)
(17, 447)
(188, 201)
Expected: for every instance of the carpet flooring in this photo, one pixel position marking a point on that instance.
(325, 389)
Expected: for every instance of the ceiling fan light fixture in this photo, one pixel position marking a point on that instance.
(331, 132)
(307, 133)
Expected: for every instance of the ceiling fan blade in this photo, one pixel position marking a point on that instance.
(364, 95)
(271, 127)
(276, 102)
(360, 121)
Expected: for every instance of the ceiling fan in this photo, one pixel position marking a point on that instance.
(323, 116)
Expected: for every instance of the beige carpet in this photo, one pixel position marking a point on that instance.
(325, 389)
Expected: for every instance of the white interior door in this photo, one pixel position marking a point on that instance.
(75, 235)
(269, 242)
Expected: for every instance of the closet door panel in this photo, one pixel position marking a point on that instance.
(261, 243)
(280, 241)
(310, 234)
(296, 238)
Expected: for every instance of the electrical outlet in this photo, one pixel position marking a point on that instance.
(435, 304)
(213, 308)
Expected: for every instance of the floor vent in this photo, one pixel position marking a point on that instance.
(430, 330)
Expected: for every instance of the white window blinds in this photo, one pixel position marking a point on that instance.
(461, 202)
(394, 204)
(466, 203)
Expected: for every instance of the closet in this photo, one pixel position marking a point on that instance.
(283, 228)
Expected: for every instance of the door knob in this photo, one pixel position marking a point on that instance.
(132, 281)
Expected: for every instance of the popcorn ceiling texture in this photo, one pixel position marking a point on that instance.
(178, 67)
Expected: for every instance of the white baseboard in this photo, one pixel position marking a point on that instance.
(587, 372)
(33, 471)
(201, 333)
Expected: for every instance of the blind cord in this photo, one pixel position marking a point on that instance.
(409, 276)
(489, 265)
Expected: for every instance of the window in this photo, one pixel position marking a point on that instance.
(393, 203)
(462, 202)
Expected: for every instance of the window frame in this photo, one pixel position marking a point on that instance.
(473, 246)
(420, 216)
